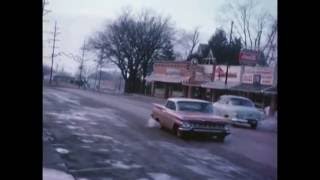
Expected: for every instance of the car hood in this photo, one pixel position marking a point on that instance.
(244, 109)
(195, 116)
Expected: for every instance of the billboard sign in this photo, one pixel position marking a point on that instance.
(233, 73)
(248, 57)
(258, 75)
(173, 71)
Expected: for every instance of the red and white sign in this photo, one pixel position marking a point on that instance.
(173, 71)
(260, 75)
(233, 73)
(248, 57)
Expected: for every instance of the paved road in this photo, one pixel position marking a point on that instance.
(105, 136)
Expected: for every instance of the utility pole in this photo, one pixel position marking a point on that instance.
(100, 68)
(230, 41)
(96, 77)
(53, 55)
(82, 63)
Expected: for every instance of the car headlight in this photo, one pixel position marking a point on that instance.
(186, 125)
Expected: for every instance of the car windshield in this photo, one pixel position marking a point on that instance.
(241, 102)
(202, 107)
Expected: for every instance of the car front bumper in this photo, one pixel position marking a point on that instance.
(202, 131)
(244, 121)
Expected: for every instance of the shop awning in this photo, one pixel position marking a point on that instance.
(167, 78)
(193, 83)
(219, 85)
(254, 88)
(270, 90)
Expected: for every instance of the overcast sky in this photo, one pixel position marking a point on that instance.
(78, 19)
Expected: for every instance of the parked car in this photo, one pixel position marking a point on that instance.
(239, 110)
(190, 116)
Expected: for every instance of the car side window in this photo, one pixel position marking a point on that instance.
(171, 105)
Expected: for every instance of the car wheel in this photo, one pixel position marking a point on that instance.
(254, 125)
(161, 126)
(220, 138)
(177, 132)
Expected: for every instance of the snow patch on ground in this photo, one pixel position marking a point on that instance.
(121, 165)
(63, 97)
(62, 150)
(87, 141)
(199, 170)
(118, 150)
(109, 138)
(87, 114)
(202, 158)
(104, 114)
(161, 176)
(74, 127)
(52, 174)
(83, 113)
(102, 136)
(69, 116)
(93, 123)
(103, 150)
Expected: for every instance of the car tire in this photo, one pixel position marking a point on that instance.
(253, 125)
(161, 126)
(220, 138)
(178, 133)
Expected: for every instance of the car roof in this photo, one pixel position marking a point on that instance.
(176, 99)
(233, 96)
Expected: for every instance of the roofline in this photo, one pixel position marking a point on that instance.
(235, 96)
(175, 99)
(175, 61)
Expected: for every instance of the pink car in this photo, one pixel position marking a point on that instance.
(190, 116)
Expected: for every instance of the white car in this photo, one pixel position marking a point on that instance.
(239, 110)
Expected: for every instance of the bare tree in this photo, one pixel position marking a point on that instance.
(81, 60)
(97, 46)
(187, 41)
(250, 20)
(271, 46)
(100, 64)
(44, 5)
(133, 42)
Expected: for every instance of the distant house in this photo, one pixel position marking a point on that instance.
(109, 81)
(62, 78)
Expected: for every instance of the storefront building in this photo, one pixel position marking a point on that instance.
(184, 79)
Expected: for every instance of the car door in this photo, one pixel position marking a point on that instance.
(167, 120)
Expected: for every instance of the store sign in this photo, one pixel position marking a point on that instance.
(258, 75)
(173, 71)
(207, 68)
(233, 73)
(247, 57)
